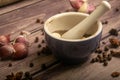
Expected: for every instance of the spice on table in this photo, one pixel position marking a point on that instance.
(114, 42)
(116, 9)
(19, 75)
(43, 41)
(109, 57)
(38, 20)
(27, 76)
(103, 42)
(97, 59)
(42, 22)
(104, 22)
(36, 39)
(31, 64)
(115, 53)
(104, 55)
(93, 60)
(105, 63)
(43, 66)
(46, 50)
(113, 32)
(38, 53)
(98, 51)
(106, 48)
(39, 45)
(99, 56)
(42, 33)
(102, 58)
(115, 74)
(10, 65)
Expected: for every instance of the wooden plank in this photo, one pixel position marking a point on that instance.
(33, 10)
(28, 24)
(59, 72)
(15, 6)
(88, 71)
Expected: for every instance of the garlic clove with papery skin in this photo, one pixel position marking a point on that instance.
(84, 8)
(57, 35)
(91, 8)
(76, 4)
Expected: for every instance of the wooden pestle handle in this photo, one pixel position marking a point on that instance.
(81, 28)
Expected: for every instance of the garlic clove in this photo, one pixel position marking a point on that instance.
(57, 35)
(84, 8)
(76, 4)
(84, 0)
(91, 8)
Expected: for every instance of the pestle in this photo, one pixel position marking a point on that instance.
(81, 28)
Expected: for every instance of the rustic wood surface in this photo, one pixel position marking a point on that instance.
(23, 15)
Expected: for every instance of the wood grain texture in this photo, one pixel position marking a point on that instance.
(8, 8)
(88, 71)
(23, 16)
(19, 19)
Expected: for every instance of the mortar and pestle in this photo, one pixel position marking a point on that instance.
(64, 34)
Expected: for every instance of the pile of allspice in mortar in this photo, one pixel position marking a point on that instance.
(106, 52)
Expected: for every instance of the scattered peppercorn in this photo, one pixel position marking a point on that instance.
(10, 77)
(99, 56)
(112, 52)
(27, 74)
(31, 64)
(43, 41)
(115, 74)
(116, 9)
(114, 42)
(96, 59)
(10, 65)
(38, 53)
(105, 22)
(46, 50)
(109, 57)
(19, 75)
(93, 60)
(104, 55)
(102, 58)
(37, 20)
(113, 32)
(115, 53)
(43, 66)
(103, 43)
(36, 39)
(105, 63)
(98, 51)
(39, 45)
(106, 48)
(42, 22)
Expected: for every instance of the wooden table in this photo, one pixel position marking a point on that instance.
(23, 15)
